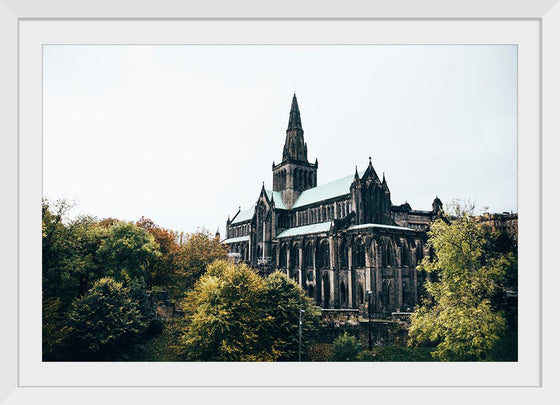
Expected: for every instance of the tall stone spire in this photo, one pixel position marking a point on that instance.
(294, 174)
(295, 118)
(295, 148)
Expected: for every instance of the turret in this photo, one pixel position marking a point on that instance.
(437, 206)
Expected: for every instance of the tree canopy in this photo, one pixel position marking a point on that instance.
(195, 253)
(104, 322)
(457, 314)
(283, 301)
(225, 314)
(235, 315)
(145, 258)
(345, 348)
(128, 252)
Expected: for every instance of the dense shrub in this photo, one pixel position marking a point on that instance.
(319, 352)
(345, 348)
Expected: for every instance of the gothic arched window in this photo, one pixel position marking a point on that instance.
(360, 294)
(308, 256)
(343, 294)
(294, 256)
(405, 294)
(323, 255)
(359, 254)
(326, 291)
(343, 254)
(419, 253)
(273, 257)
(283, 256)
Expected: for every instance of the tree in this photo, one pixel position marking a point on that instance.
(345, 348)
(54, 246)
(162, 271)
(82, 266)
(225, 315)
(233, 314)
(194, 255)
(54, 330)
(128, 252)
(500, 244)
(457, 314)
(283, 301)
(70, 263)
(104, 323)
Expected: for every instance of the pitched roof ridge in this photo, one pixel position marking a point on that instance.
(302, 200)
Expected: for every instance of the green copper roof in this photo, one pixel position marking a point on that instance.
(307, 229)
(364, 226)
(326, 191)
(238, 239)
(278, 202)
(244, 216)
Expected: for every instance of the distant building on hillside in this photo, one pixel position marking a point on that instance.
(505, 222)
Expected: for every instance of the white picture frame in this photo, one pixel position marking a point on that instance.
(14, 169)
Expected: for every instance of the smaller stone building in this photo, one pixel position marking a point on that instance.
(505, 222)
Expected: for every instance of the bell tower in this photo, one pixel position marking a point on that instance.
(294, 174)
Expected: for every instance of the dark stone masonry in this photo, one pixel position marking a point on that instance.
(338, 240)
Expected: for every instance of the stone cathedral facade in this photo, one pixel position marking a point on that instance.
(341, 241)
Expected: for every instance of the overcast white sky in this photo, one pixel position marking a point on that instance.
(185, 134)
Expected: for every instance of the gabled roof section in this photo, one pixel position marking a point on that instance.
(243, 216)
(238, 239)
(306, 230)
(326, 191)
(366, 226)
(278, 202)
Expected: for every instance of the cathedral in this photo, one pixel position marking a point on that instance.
(344, 242)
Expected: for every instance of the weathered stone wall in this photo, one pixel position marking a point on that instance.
(384, 332)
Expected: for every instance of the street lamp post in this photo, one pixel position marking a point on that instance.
(301, 311)
(370, 342)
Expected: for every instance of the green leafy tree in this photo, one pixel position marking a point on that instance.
(105, 323)
(127, 252)
(500, 244)
(54, 246)
(457, 313)
(345, 348)
(54, 329)
(225, 314)
(193, 256)
(161, 272)
(235, 315)
(82, 265)
(70, 263)
(226, 306)
(283, 301)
